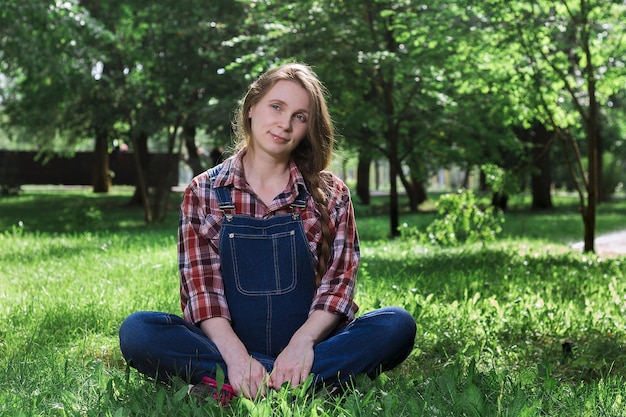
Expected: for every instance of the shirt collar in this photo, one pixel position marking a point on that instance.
(232, 174)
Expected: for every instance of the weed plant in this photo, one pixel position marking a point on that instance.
(523, 326)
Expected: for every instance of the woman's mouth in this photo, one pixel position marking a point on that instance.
(279, 138)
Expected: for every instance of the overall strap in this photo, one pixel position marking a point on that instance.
(224, 199)
(300, 201)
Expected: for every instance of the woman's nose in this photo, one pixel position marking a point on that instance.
(285, 123)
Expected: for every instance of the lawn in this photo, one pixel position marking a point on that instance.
(520, 327)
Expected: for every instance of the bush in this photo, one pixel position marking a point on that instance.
(460, 220)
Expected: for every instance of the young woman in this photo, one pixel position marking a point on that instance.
(268, 255)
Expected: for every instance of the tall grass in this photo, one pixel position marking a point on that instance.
(525, 326)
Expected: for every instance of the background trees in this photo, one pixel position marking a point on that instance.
(569, 60)
(422, 85)
(45, 48)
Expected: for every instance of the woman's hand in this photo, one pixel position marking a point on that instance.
(293, 365)
(295, 362)
(245, 374)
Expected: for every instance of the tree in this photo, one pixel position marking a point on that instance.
(173, 56)
(424, 85)
(48, 56)
(569, 62)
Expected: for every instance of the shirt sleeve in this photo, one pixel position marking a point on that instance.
(201, 286)
(336, 292)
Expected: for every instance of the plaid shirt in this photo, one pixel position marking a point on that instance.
(201, 285)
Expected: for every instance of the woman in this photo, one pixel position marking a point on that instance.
(268, 256)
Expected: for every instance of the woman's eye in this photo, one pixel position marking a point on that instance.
(275, 106)
(300, 117)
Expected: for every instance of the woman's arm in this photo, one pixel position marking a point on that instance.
(201, 287)
(336, 293)
(202, 291)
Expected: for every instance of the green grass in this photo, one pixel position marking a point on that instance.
(521, 327)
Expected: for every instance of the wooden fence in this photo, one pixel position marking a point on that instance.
(22, 167)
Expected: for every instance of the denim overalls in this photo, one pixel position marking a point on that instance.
(268, 273)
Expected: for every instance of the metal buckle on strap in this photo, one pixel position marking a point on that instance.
(297, 207)
(229, 211)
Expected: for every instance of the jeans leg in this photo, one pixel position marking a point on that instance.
(375, 342)
(163, 345)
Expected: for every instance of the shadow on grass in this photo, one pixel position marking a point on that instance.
(512, 306)
(79, 211)
(450, 273)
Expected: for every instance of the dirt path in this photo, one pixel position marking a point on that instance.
(609, 244)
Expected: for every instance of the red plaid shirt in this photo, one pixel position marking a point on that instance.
(201, 286)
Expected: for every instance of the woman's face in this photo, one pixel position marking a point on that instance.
(279, 121)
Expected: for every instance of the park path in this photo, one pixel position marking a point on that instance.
(608, 244)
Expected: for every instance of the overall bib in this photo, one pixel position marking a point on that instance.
(268, 274)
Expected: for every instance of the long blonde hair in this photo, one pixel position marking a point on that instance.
(313, 154)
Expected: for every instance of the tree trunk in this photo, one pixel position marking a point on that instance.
(140, 153)
(482, 182)
(589, 218)
(164, 179)
(420, 191)
(101, 174)
(593, 143)
(193, 158)
(500, 200)
(166, 176)
(541, 181)
(376, 175)
(363, 179)
(394, 169)
(409, 191)
(604, 194)
(415, 191)
(466, 178)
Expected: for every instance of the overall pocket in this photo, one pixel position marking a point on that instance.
(264, 264)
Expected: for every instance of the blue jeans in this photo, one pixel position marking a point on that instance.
(163, 345)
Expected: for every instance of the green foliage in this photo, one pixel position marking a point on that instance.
(500, 180)
(460, 221)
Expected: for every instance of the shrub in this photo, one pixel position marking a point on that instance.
(459, 220)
